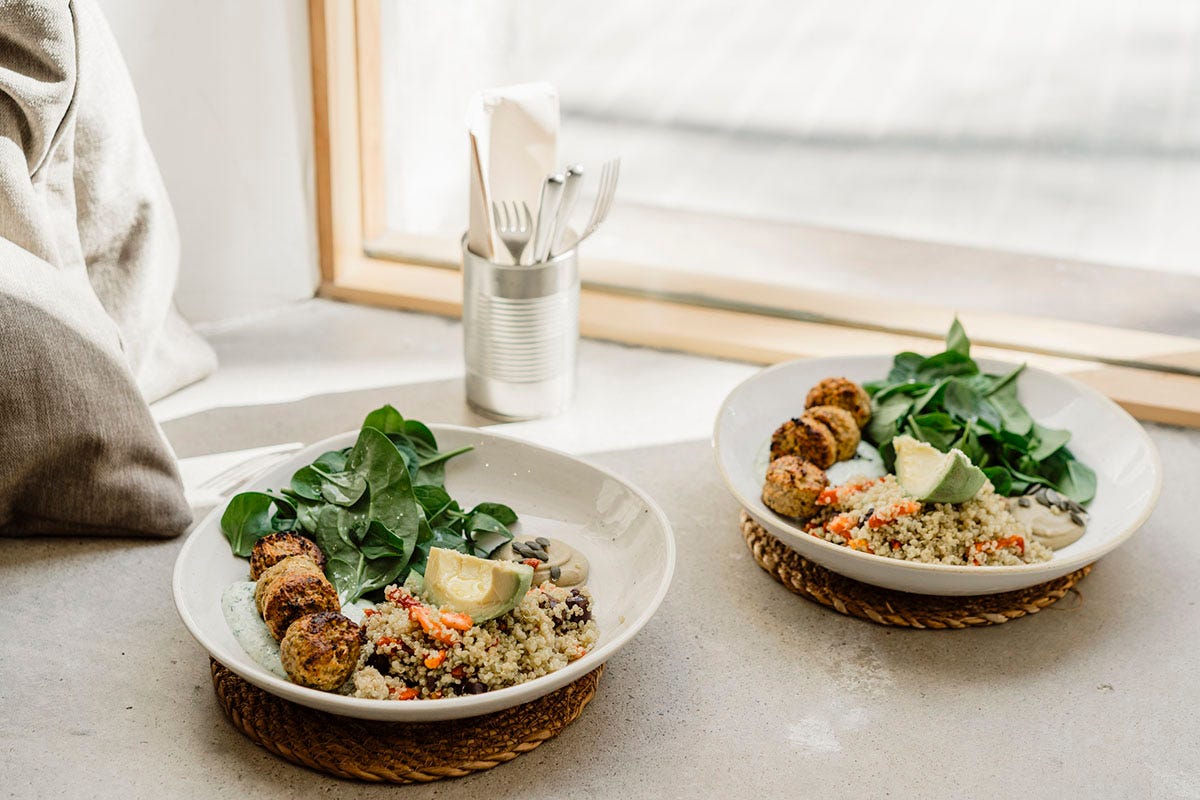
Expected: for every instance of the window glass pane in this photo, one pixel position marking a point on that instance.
(1069, 130)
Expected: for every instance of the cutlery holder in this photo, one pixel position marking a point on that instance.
(520, 334)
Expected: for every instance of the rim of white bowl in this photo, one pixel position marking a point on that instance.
(428, 709)
(1078, 560)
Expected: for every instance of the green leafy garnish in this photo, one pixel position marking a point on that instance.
(946, 401)
(374, 509)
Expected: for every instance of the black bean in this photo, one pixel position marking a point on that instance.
(474, 687)
(543, 541)
(582, 607)
(380, 662)
(1024, 502)
(431, 681)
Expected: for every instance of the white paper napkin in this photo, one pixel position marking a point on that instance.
(514, 130)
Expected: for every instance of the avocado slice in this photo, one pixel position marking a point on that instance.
(479, 587)
(933, 476)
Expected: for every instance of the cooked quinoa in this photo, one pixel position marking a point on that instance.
(876, 516)
(416, 650)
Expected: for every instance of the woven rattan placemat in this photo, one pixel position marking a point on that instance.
(397, 752)
(901, 609)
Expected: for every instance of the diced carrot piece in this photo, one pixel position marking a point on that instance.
(423, 616)
(841, 524)
(459, 622)
(860, 544)
(435, 660)
(407, 694)
(828, 497)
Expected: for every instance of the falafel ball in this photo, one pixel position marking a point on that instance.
(843, 427)
(807, 437)
(321, 650)
(290, 589)
(843, 393)
(270, 550)
(793, 486)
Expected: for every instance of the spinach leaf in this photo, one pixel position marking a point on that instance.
(1048, 440)
(886, 418)
(390, 498)
(342, 488)
(385, 419)
(1079, 483)
(946, 401)
(247, 519)
(957, 341)
(1001, 479)
(333, 461)
(501, 513)
(485, 533)
(904, 367)
(375, 509)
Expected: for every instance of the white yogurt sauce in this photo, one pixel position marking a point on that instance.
(242, 617)
(867, 463)
(237, 604)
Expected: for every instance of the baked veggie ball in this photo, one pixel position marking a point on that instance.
(843, 427)
(806, 437)
(270, 550)
(290, 589)
(843, 393)
(792, 486)
(321, 650)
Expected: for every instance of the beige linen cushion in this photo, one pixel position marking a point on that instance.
(89, 256)
(79, 452)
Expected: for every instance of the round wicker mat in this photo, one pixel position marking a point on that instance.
(888, 607)
(397, 752)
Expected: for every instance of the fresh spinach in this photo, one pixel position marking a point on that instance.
(375, 509)
(249, 517)
(946, 401)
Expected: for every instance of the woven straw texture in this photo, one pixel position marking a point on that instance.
(384, 752)
(900, 609)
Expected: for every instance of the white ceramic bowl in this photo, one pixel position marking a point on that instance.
(623, 533)
(1103, 436)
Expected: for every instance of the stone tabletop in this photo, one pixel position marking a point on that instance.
(736, 687)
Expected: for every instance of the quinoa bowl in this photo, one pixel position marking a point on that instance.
(621, 531)
(1127, 467)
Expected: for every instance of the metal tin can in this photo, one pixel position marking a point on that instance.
(520, 335)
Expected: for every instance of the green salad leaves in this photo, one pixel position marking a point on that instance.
(374, 509)
(947, 401)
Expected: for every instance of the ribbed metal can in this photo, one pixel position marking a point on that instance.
(520, 335)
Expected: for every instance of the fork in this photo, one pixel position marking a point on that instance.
(514, 225)
(609, 174)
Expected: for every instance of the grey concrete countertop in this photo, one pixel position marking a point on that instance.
(735, 688)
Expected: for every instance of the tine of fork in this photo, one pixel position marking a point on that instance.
(496, 216)
(612, 189)
(527, 219)
(593, 219)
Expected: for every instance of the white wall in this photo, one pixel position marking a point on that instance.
(225, 93)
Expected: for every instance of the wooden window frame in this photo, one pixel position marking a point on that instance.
(674, 309)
